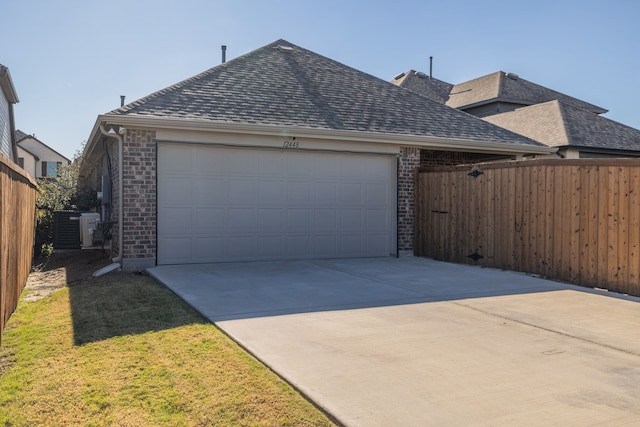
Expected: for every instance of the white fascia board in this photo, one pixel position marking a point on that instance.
(450, 144)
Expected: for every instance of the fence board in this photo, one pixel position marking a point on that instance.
(634, 232)
(574, 220)
(620, 238)
(17, 230)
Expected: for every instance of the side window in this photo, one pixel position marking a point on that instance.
(50, 169)
(21, 162)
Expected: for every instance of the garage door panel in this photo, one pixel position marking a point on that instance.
(176, 190)
(208, 247)
(299, 219)
(240, 162)
(375, 219)
(298, 246)
(272, 219)
(351, 245)
(376, 194)
(242, 220)
(298, 191)
(209, 219)
(174, 158)
(176, 221)
(324, 245)
(351, 193)
(218, 204)
(375, 244)
(375, 170)
(240, 247)
(271, 165)
(325, 192)
(208, 190)
(207, 162)
(273, 191)
(271, 246)
(242, 191)
(326, 220)
(351, 219)
(175, 248)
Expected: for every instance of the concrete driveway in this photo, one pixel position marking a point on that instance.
(416, 342)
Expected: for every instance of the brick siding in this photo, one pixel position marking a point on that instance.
(139, 153)
(409, 161)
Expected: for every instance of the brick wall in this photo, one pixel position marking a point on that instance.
(409, 160)
(139, 155)
(453, 158)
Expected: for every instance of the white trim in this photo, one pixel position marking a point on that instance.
(343, 135)
(272, 141)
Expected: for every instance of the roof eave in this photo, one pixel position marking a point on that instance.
(344, 135)
(6, 84)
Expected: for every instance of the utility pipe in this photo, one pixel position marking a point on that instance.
(118, 136)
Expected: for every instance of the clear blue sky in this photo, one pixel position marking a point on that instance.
(70, 60)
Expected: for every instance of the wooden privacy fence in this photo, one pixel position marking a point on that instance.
(573, 220)
(17, 229)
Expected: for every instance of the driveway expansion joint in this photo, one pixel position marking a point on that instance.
(564, 334)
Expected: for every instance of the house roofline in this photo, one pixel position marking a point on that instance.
(37, 140)
(30, 153)
(345, 135)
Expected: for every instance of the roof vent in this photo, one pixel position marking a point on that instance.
(285, 49)
(512, 76)
(421, 75)
(399, 76)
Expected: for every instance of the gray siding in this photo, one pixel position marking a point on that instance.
(5, 127)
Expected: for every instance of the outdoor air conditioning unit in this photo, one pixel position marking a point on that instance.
(88, 223)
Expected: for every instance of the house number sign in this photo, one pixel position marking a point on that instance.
(290, 143)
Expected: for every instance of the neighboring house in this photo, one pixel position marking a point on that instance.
(573, 126)
(37, 158)
(278, 154)
(576, 133)
(8, 97)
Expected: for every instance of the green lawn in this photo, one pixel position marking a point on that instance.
(122, 350)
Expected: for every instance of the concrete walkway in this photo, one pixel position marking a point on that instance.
(415, 342)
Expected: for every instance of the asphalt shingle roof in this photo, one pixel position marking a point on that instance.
(424, 85)
(557, 124)
(508, 87)
(295, 87)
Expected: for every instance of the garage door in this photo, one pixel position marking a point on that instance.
(219, 204)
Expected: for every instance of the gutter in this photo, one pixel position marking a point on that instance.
(9, 91)
(344, 135)
(117, 261)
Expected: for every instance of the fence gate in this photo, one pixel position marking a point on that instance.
(573, 220)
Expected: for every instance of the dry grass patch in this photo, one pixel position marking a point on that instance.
(123, 350)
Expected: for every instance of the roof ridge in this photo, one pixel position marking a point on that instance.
(37, 140)
(501, 76)
(128, 107)
(560, 106)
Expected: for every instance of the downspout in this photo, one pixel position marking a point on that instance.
(117, 261)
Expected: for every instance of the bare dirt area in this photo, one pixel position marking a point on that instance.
(61, 269)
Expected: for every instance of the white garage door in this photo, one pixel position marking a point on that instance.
(218, 204)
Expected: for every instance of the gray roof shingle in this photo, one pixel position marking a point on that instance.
(557, 124)
(508, 87)
(424, 85)
(299, 88)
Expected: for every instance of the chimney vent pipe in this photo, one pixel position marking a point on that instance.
(224, 53)
(431, 67)
(122, 97)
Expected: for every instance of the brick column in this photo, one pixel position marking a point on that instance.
(139, 237)
(409, 160)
